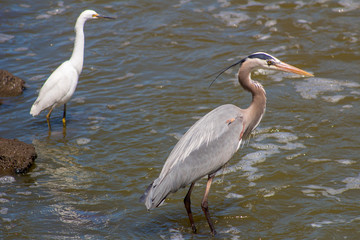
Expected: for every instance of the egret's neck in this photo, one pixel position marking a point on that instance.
(257, 107)
(77, 57)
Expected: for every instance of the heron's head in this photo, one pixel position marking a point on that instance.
(266, 61)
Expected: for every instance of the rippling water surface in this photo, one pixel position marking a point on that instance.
(144, 84)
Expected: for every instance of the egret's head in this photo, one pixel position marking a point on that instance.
(91, 14)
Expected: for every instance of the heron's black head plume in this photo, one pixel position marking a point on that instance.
(262, 56)
(218, 73)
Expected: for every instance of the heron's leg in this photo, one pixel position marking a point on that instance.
(48, 118)
(64, 116)
(187, 203)
(205, 206)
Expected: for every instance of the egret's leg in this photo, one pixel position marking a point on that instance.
(205, 206)
(64, 116)
(48, 118)
(187, 203)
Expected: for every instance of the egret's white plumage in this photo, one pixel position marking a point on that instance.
(61, 85)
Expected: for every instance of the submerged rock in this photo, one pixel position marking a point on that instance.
(10, 85)
(15, 156)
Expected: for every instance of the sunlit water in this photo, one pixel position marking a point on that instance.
(144, 84)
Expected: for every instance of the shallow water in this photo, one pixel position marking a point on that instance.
(143, 85)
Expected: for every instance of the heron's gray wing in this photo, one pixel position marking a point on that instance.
(208, 144)
(203, 150)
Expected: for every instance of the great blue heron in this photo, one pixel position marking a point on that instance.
(210, 143)
(61, 85)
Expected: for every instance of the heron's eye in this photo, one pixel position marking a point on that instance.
(269, 63)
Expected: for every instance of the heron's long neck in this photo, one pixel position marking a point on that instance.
(77, 57)
(257, 107)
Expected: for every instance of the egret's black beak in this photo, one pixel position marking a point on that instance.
(106, 17)
(99, 16)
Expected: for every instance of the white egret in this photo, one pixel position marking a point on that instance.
(61, 85)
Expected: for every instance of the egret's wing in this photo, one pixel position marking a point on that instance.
(57, 87)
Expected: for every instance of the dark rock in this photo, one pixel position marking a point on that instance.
(15, 156)
(10, 85)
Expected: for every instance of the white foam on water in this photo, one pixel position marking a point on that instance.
(347, 106)
(300, 4)
(346, 161)
(246, 165)
(262, 37)
(7, 179)
(3, 200)
(21, 49)
(253, 3)
(177, 136)
(270, 23)
(292, 146)
(334, 222)
(126, 76)
(233, 231)
(229, 187)
(182, 2)
(78, 100)
(333, 99)
(341, 161)
(320, 224)
(269, 194)
(83, 141)
(313, 87)
(316, 160)
(347, 6)
(278, 49)
(6, 219)
(96, 118)
(175, 234)
(351, 183)
(281, 137)
(26, 193)
(5, 37)
(37, 77)
(56, 11)
(265, 150)
(224, 3)
(292, 156)
(95, 127)
(231, 18)
(4, 210)
(272, 7)
(42, 16)
(234, 195)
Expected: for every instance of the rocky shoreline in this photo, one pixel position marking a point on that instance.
(16, 157)
(10, 85)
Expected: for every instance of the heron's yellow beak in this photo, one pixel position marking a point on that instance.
(288, 68)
